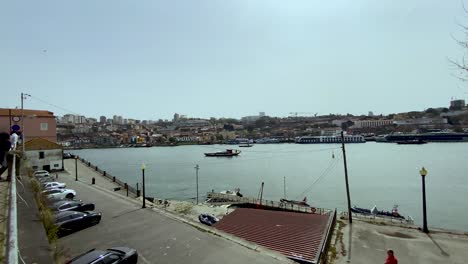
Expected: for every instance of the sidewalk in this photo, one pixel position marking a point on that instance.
(364, 243)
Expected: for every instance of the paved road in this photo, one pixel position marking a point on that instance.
(158, 238)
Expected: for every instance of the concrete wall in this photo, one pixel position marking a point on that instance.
(52, 158)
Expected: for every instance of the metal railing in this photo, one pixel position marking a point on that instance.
(110, 177)
(12, 246)
(221, 198)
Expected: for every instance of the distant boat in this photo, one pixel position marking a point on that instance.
(394, 213)
(246, 145)
(227, 153)
(411, 142)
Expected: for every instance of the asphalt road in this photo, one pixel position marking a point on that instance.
(158, 238)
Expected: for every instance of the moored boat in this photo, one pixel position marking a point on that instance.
(411, 142)
(374, 211)
(227, 153)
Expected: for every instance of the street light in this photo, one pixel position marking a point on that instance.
(197, 168)
(143, 175)
(423, 173)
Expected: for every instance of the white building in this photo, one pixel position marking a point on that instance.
(44, 155)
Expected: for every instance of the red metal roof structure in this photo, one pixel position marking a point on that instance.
(298, 236)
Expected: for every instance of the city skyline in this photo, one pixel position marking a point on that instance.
(207, 59)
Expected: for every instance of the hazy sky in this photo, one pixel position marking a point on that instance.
(147, 59)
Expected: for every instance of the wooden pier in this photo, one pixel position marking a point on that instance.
(220, 199)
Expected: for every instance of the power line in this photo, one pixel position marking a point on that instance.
(54, 105)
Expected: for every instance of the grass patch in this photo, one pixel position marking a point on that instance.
(183, 208)
(45, 213)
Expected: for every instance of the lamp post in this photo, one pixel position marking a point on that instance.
(143, 175)
(423, 173)
(197, 168)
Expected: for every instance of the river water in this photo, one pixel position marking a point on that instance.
(381, 174)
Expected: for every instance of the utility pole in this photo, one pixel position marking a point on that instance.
(196, 169)
(23, 96)
(76, 168)
(261, 193)
(284, 186)
(350, 217)
(143, 175)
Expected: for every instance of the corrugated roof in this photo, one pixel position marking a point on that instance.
(295, 235)
(27, 112)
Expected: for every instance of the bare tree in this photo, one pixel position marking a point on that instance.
(461, 65)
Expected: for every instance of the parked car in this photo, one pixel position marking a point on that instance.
(68, 155)
(59, 193)
(45, 179)
(53, 200)
(53, 185)
(69, 205)
(71, 221)
(116, 255)
(41, 173)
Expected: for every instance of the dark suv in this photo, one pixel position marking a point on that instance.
(116, 255)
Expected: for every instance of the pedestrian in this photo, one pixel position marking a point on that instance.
(13, 140)
(391, 258)
(5, 146)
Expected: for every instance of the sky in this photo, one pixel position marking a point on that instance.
(149, 59)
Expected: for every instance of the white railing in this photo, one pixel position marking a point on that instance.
(12, 246)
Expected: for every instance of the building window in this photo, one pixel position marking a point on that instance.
(35, 167)
(44, 126)
(41, 154)
(56, 165)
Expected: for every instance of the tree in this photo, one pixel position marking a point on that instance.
(172, 139)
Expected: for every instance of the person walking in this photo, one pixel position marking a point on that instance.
(13, 140)
(5, 146)
(391, 258)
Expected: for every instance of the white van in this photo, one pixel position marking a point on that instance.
(41, 173)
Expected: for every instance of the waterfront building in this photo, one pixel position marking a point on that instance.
(457, 104)
(102, 119)
(43, 154)
(372, 123)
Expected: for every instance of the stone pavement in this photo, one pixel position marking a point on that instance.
(367, 243)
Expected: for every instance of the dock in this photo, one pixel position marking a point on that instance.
(215, 198)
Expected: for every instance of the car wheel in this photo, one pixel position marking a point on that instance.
(69, 196)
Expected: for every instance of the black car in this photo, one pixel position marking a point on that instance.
(116, 255)
(71, 221)
(72, 205)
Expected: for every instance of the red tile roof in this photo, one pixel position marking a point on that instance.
(295, 235)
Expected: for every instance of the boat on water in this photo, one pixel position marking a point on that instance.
(329, 139)
(247, 145)
(411, 142)
(227, 153)
(427, 137)
(374, 211)
(302, 203)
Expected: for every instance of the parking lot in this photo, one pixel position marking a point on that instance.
(158, 238)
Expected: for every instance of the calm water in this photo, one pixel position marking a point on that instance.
(379, 174)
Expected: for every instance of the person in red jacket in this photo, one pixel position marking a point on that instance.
(391, 258)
